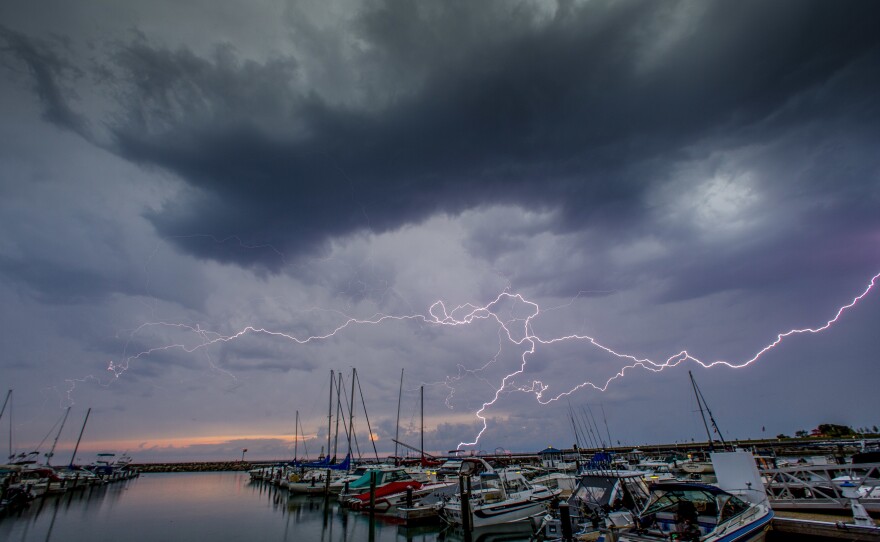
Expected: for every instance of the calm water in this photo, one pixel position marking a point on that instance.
(211, 507)
(216, 507)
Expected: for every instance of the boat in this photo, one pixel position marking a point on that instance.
(602, 498)
(734, 510)
(427, 509)
(696, 464)
(565, 483)
(311, 482)
(387, 480)
(14, 496)
(41, 480)
(396, 495)
(502, 496)
(655, 471)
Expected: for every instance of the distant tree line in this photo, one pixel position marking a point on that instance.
(831, 430)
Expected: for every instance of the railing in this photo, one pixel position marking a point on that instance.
(814, 487)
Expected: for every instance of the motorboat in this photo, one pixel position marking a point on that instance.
(696, 511)
(311, 482)
(736, 509)
(396, 495)
(497, 497)
(603, 498)
(396, 478)
(565, 483)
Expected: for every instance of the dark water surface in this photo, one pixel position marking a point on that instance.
(218, 507)
(210, 507)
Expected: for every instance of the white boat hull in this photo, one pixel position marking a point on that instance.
(507, 511)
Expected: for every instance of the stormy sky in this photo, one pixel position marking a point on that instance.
(189, 191)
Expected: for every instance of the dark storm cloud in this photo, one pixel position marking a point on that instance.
(48, 70)
(584, 111)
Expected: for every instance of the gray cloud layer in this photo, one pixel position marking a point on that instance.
(459, 106)
(701, 175)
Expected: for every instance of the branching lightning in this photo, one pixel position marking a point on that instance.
(516, 331)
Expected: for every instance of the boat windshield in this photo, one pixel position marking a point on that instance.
(707, 503)
(514, 484)
(596, 491)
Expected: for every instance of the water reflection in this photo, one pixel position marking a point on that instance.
(210, 506)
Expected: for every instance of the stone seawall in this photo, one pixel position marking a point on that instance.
(193, 467)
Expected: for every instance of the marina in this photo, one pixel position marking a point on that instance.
(717, 491)
(239, 504)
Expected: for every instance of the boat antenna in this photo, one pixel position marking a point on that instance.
(596, 426)
(604, 419)
(585, 422)
(574, 428)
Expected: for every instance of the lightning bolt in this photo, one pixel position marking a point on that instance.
(516, 331)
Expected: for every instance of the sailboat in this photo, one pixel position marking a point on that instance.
(699, 464)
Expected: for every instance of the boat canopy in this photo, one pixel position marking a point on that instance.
(323, 463)
(344, 465)
(383, 476)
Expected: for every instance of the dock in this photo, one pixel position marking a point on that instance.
(830, 530)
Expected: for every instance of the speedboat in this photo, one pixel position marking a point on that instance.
(311, 482)
(603, 498)
(396, 495)
(699, 512)
(503, 496)
(396, 478)
(734, 510)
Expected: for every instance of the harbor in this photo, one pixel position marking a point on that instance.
(193, 500)
(715, 491)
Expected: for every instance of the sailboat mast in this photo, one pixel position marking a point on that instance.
(8, 395)
(351, 412)
(83, 428)
(296, 436)
(4, 404)
(702, 414)
(330, 412)
(397, 426)
(422, 400)
(52, 451)
(712, 418)
(367, 417)
(338, 408)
